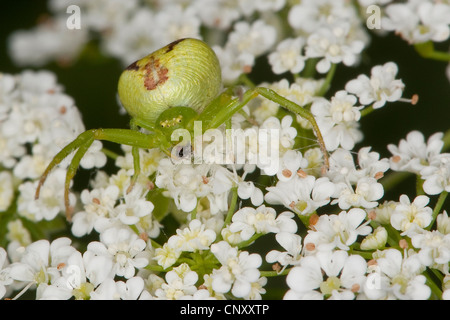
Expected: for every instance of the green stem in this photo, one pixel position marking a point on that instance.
(269, 274)
(438, 207)
(365, 254)
(446, 140)
(433, 286)
(155, 244)
(248, 242)
(310, 68)
(364, 112)
(393, 236)
(234, 197)
(328, 79)
(426, 50)
(155, 268)
(419, 186)
(110, 154)
(245, 80)
(194, 213)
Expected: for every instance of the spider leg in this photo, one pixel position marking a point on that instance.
(82, 143)
(136, 159)
(225, 106)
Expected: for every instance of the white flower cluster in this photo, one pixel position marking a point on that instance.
(191, 230)
(37, 119)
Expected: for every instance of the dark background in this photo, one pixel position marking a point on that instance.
(92, 81)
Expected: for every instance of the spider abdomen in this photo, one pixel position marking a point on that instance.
(185, 73)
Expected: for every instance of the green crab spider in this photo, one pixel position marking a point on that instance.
(167, 90)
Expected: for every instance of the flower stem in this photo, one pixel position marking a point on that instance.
(248, 242)
(438, 208)
(328, 79)
(310, 68)
(426, 50)
(446, 140)
(233, 203)
(364, 112)
(433, 286)
(110, 154)
(245, 80)
(274, 273)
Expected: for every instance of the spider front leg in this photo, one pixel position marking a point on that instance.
(82, 143)
(221, 109)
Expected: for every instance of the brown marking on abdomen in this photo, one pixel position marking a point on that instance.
(171, 45)
(133, 66)
(155, 74)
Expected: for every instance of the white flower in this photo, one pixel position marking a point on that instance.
(248, 7)
(413, 153)
(288, 56)
(149, 160)
(97, 268)
(5, 278)
(443, 223)
(107, 290)
(130, 290)
(343, 168)
(193, 238)
(6, 190)
(383, 212)
(370, 164)
(94, 157)
(310, 15)
(167, 255)
(51, 199)
(338, 120)
(302, 195)
(261, 220)
(287, 132)
(434, 249)
(98, 204)
(239, 270)
(375, 240)
(437, 175)
(185, 183)
(18, 233)
(233, 66)
(290, 163)
(134, 206)
(248, 190)
(39, 263)
(336, 231)
(334, 44)
(365, 195)
(417, 21)
(49, 41)
(302, 92)
(407, 215)
(80, 275)
(134, 39)
(180, 282)
(175, 22)
(397, 277)
(255, 38)
(292, 243)
(380, 88)
(217, 14)
(124, 248)
(331, 275)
